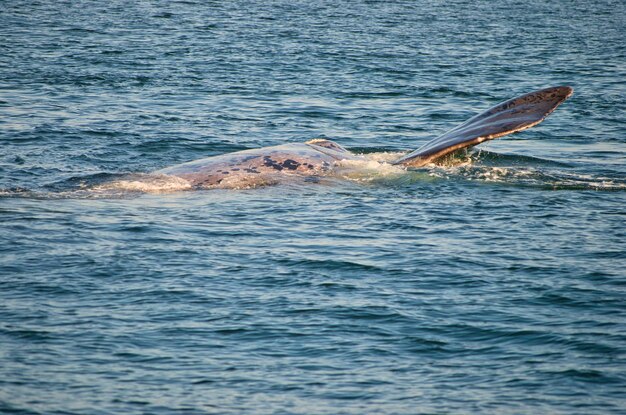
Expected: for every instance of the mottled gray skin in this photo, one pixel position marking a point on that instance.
(262, 166)
(315, 158)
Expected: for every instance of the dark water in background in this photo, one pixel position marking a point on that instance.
(496, 286)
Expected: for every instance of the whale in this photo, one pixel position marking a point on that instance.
(321, 157)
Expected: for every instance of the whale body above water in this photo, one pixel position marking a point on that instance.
(321, 157)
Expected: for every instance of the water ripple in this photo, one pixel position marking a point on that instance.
(490, 283)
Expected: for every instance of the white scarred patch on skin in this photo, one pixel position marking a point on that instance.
(245, 181)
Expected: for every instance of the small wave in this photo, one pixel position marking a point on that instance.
(15, 192)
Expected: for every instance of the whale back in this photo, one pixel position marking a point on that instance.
(508, 117)
(251, 168)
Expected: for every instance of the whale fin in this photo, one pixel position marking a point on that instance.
(514, 115)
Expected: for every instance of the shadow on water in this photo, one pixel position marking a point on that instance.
(524, 171)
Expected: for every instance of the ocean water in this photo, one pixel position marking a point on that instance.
(494, 283)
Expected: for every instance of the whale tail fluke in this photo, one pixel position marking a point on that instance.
(514, 115)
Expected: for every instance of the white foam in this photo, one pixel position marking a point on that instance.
(372, 167)
(385, 156)
(145, 183)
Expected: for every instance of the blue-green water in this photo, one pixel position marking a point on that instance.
(493, 285)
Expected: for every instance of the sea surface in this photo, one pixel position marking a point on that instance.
(494, 283)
